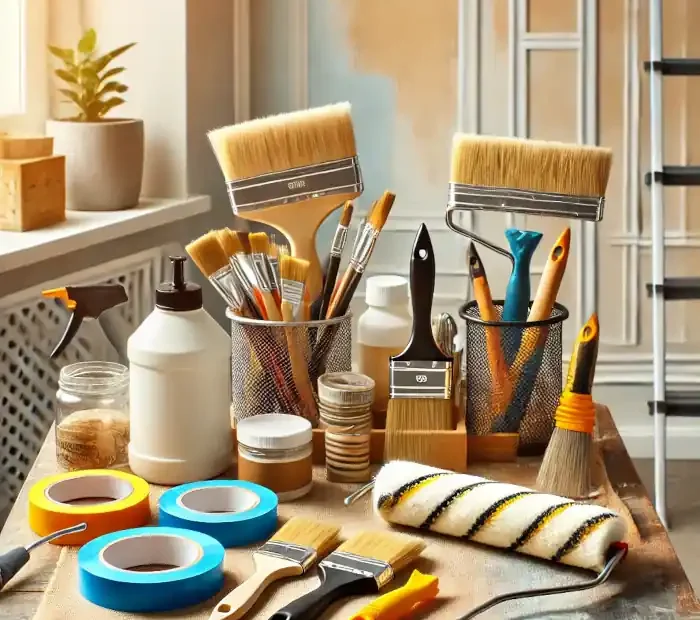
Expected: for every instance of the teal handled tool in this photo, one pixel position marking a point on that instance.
(12, 561)
(523, 244)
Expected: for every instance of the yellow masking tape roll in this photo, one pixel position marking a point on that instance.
(105, 499)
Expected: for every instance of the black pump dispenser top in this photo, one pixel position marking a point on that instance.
(178, 295)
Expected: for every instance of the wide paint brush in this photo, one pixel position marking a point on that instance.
(290, 172)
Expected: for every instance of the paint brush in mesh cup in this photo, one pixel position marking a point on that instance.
(290, 172)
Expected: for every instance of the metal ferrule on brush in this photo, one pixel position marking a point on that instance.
(288, 186)
(421, 379)
(476, 197)
(303, 556)
(339, 240)
(262, 270)
(380, 571)
(224, 281)
(243, 279)
(274, 263)
(293, 292)
(364, 244)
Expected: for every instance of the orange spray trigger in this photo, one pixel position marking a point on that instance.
(62, 294)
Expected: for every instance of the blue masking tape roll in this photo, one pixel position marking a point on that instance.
(235, 512)
(105, 578)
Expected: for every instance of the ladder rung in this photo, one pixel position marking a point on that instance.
(675, 175)
(678, 403)
(674, 66)
(677, 288)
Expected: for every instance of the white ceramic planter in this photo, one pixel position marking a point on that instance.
(104, 162)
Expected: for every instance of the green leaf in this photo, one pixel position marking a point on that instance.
(87, 43)
(66, 76)
(111, 87)
(64, 54)
(103, 61)
(111, 103)
(111, 73)
(87, 76)
(72, 95)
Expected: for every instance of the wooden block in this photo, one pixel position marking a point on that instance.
(25, 147)
(32, 193)
(494, 448)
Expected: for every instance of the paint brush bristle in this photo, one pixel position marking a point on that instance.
(284, 141)
(346, 214)
(206, 252)
(294, 269)
(397, 550)
(317, 535)
(259, 243)
(533, 165)
(230, 241)
(380, 211)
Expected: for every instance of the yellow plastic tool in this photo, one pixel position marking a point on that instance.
(400, 603)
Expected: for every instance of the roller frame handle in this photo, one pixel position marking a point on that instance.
(11, 563)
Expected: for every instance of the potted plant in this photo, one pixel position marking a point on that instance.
(104, 156)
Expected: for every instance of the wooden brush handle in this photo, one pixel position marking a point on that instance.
(299, 223)
(550, 282)
(271, 309)
(239, 601)
(300, 371)
(329, 284)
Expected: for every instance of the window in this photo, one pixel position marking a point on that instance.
(12, 57)
(24, 94)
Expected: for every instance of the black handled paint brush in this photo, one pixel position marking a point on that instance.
(362, 565)
(421, 376)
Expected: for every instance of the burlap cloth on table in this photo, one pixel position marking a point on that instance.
(468, 573)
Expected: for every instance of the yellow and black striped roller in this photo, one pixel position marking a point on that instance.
(497, 514)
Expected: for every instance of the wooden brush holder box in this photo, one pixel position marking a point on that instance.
(32, 192)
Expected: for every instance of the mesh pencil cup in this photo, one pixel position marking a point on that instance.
(266, 378)
(513, 375)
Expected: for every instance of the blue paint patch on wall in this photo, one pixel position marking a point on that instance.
(373, 98)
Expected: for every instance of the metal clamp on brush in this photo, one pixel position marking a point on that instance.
(294, 185)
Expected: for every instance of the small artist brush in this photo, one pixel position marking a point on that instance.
(362, 565)
(361, 253)
(212, 261)
(231, 244)
(336, 253)
(533, 177)
(291, 552)
(259, 245)
(273, 256)
(293, 272)
(500, 385)
(421, 376)
(290, 171)
(566, 466)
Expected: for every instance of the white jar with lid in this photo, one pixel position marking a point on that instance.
(275, 450)
(383, 330)
(180, 391)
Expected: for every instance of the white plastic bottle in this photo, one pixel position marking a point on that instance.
(383, 330)
(180, 392)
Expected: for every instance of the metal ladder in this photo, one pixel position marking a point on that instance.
(662, 289)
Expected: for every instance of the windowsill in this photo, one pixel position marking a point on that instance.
(83, 229)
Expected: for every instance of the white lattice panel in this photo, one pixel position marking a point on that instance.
(30, 326)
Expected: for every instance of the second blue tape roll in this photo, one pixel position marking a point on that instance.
(235, 512)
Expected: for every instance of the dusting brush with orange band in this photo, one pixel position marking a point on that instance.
(566, 466)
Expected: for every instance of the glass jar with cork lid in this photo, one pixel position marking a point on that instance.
(92, 416)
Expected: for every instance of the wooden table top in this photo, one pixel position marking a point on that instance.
(659, 590)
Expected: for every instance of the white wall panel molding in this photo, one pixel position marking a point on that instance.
(299, 53)
(241, 60)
